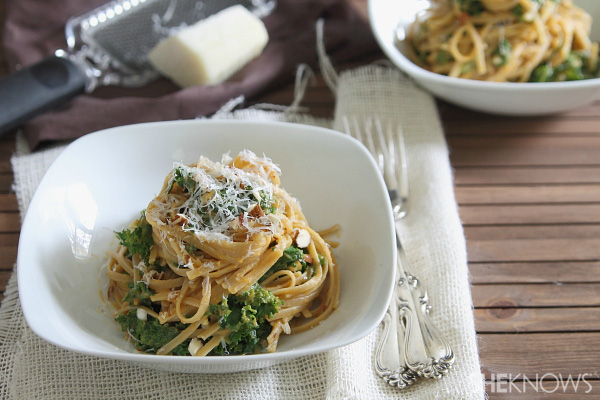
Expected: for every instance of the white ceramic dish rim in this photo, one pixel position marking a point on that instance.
(413, 69)
(254, 359)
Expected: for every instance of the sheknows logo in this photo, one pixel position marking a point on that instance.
(546, 383)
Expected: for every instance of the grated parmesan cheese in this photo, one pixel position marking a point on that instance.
(223, 196)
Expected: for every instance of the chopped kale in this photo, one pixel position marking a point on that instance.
(139, 240)
(467, 67)
(190, 248)
(471, 7)
(184, 179)
(150, 335)
(287, 259)
(518, 10)
(139, 295)
(542, 73)
(246, 316)
(571, 69)
(574, 68)
(423, 56)
(444, 57)
(501, 54)
(266, 202)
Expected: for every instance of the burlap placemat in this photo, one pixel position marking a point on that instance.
(433, 237)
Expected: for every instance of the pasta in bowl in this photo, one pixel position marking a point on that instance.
(221, 262)
(90, 203)
(512, 57)
(505, 40)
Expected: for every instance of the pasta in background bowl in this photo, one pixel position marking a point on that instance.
(100, 182)
(393, 24)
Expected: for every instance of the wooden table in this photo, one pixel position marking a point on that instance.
(528, 191)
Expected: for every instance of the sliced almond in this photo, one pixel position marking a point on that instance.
(141, 314)
(302, 238)
(194, 346)
(256, 212)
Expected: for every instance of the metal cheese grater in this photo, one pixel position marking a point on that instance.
(106, 46)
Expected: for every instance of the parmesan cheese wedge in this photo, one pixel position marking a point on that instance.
(212, 50)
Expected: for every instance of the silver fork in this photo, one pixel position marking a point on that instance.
(411, 345)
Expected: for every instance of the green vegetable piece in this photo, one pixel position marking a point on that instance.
(542, 73)
(573, 67)
(467, 67)
(287, 259)
(139, 240)
(139, 295)
(501, 54)
(471, 7)
(150, 335)
(183, 179)
(444, 57)
(518, 10)
(246, 316)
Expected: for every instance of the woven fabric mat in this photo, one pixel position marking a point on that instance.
(432, 234)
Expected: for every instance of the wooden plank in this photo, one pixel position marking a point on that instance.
(534, 250)
(527, 194)
(7, 144)
(549, 231)
(536, 295)
(507, 320)
(5, 165)
(510, 126)
(8, 202)
(6, 182)
(531, 142)
(530, 214)
(450, 112)
(525, 175)
(535, 272)
(8, 257)
(10, 222)
(9, 239)
(4, 277)
(521, 157)
(539, 353)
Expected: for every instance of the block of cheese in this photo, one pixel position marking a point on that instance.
(210, 51)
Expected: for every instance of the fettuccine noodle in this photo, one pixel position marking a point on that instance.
(216, 231)
(505, 40)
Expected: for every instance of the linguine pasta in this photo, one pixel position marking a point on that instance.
(505, 40)
(222, 261)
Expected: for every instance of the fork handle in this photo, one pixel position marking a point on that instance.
(426, 352)
(389, 363)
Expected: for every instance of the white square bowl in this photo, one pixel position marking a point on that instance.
(102, 181)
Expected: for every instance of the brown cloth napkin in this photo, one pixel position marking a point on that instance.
(34, 29)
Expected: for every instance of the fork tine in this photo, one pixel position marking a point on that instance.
(346, 124)
(402, 165)
(402, 171)
(351, 128)
(386, 145)
(372, 146)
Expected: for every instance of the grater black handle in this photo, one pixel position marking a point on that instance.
(37, 89)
